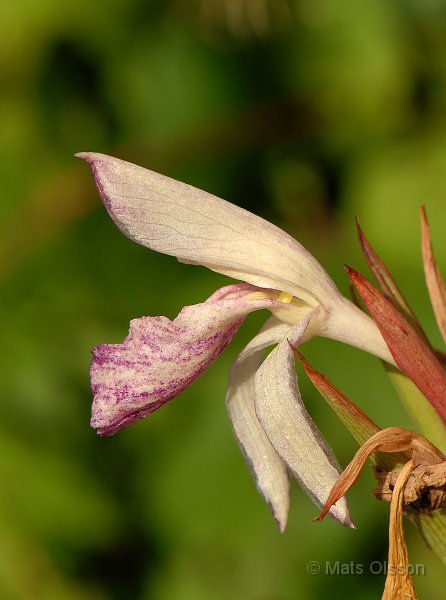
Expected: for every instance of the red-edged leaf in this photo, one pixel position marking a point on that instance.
(434, 280)
(354, 295)
(357, 422)
(411, 352)
(388, 285)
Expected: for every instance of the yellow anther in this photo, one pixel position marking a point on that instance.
(285, 298)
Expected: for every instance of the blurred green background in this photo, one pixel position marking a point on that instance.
(307, 113)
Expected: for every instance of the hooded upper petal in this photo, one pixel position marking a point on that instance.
(289, 427)
(160, 358)
(197, 227)
(177, 219)
(269, 471)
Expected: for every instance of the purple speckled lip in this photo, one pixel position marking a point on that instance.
(128, 419)
(160, 358)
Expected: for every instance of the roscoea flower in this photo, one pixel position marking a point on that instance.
(160, 357)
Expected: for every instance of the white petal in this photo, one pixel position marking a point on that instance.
(349, 324)
(196, 227)
(268, 470)
(288, 425)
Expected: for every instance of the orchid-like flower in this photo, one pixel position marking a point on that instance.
(160, 357)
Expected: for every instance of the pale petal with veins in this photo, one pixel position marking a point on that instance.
(269, 471)
(177, 219)
(289, 427)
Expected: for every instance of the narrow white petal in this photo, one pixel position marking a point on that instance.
(268, 470)
(289, 427)
(196, 227)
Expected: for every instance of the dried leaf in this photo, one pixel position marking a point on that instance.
(425, 489)
(399, 582)
(434, 280)
(411, 353)
(392, 439)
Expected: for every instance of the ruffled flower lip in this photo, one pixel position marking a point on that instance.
(125, 421)
(160, 358)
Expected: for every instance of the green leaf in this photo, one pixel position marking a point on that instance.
(432, 527)
(419, 408)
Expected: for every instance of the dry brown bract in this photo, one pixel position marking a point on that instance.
(425, 488)
(395, 439)
(399, 582)
(420, 483)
